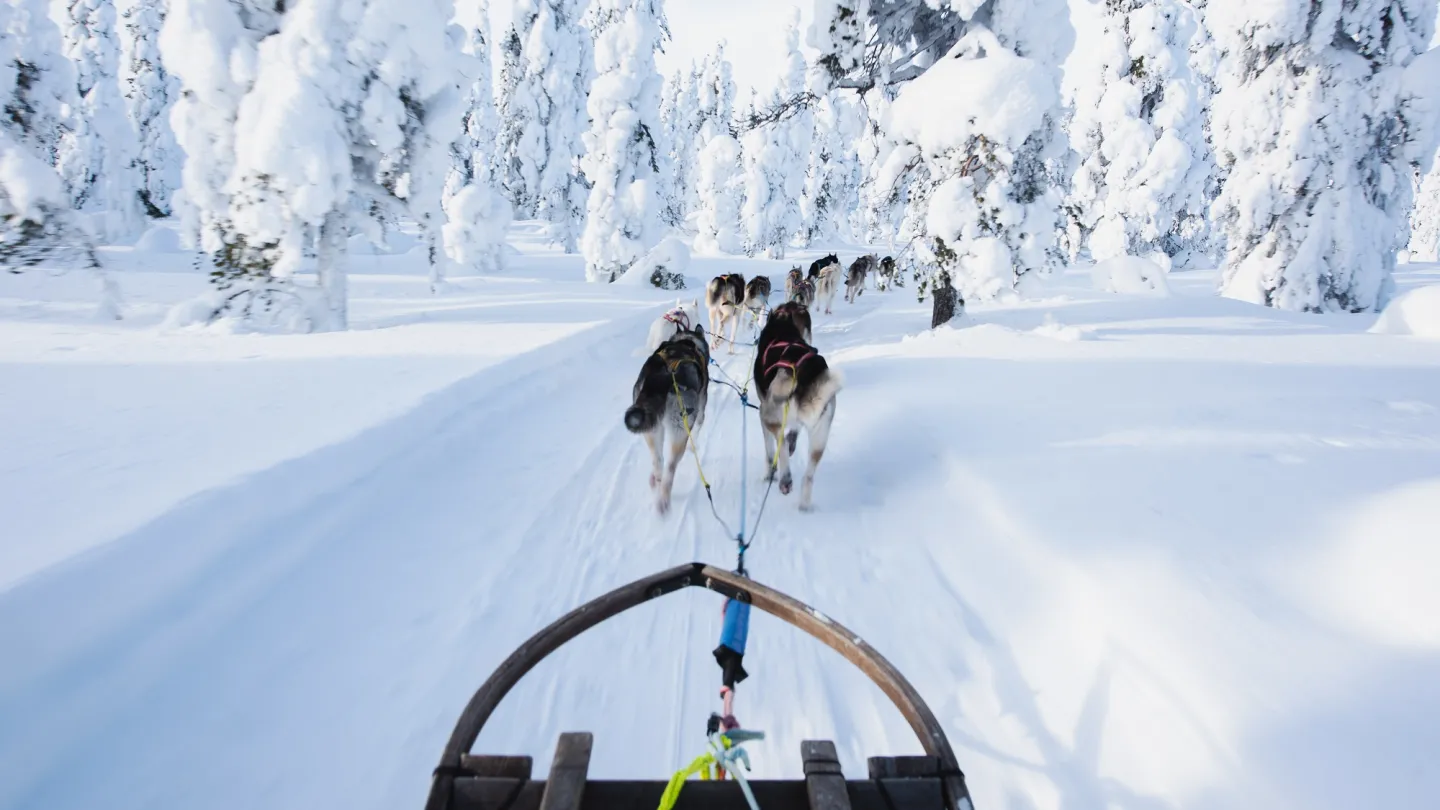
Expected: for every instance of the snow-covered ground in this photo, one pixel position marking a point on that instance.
(1135, 551)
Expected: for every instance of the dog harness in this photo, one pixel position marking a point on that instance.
(679, 317)
(785, 354)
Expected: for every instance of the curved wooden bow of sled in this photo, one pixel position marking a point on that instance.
(777, 604)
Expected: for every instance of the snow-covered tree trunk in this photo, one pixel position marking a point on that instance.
(97, 158)
(549, 100)
(1138, 124)
(37, 89)
(983, 124)
(148, 89)
(622, 159)
(1311, 122)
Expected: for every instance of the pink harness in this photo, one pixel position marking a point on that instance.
(679, 317)
(793, 362)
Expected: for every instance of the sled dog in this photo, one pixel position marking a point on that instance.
(724, 296)
(797, 389)
(886, 278)
(757, 298)
(822, 263)
(826, 285)
(804, 293)
(855, 279)
(797, 314)
(680, 317)
(669, 404)
(792, 280)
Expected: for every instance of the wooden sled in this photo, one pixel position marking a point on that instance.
(464, 781)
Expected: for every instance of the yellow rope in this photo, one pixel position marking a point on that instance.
(702, 765)
(685, 420)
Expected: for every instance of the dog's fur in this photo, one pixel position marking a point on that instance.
(826, 285)
(855, 278)
(804, 293)
(887, 273)
(796, 314)
(659, 414)
(797, 389)
(757, 298)
(724, 296)
(822, 263)
(793, 279)
(684, 315)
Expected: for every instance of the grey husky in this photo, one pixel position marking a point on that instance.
(855, 278)
(757, 298)
(797, 389)
(669, 405)
(724, 297)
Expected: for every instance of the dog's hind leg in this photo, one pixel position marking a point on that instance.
(819, 434)
(677, 451)
(656, 459)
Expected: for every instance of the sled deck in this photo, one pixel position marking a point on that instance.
(464, 781)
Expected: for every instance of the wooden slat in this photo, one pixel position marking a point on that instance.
(565, 788)
(910, 767)
(904, 794)
(472, 793)
(824, 784)
(896, 794)
(497, 767)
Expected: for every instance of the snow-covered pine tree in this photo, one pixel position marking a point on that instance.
(622, 158)
(97, 157)
(476, 213)
(1425, 217)
(776, 158)
(512, 115)
(1138, 126)
(1311, 123)
(549, 106)
(981, 126)
(832, 183)
(210, 46)
(673, 191)
(37, 87)
(148, 89)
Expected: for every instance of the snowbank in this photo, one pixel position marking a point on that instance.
(1417, 313)
(1000, 95)
(667, 261)
(1130, 275)
(160, 238)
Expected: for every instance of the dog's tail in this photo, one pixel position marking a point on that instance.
(641, 417)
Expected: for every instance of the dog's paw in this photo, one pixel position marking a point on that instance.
(786, 484)
(654, 480)
(807, 507)
(662, 505)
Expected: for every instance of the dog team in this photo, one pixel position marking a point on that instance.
(797, 388)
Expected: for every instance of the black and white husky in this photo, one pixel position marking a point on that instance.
(822, 263)
(669, 404)
(797, 389)
(855, 278)
(724, 296)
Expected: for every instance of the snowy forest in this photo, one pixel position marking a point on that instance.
(1291, 144)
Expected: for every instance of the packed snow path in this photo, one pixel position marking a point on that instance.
(1134, 553)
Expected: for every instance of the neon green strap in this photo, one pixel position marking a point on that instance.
(701, 765)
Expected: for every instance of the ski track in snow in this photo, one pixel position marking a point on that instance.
(1108, 575)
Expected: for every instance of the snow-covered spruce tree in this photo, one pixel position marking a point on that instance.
(148, 89)
(36, 87)
(832, 183)
(1138, 126)
(776, 157)
(983, 124)
(549, 100)
(476, 213)
(622, 158)
(674, 190)
(353, 98)
(1311, 123)
(210, 47)
(1425, 217)
(97, 157)
(513, 112)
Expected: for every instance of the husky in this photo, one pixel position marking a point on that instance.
(886, 278)
(826, 285)
(669, 403)
(723, 297)
(804, 293)
(855, 279)
(797, 389)
(680, 317)
(797, 314)
(757, 298)
(822, 263)
(793, 280)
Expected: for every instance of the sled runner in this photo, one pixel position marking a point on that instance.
(464, 781)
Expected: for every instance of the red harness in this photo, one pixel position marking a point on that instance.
(679, 317)
(791, 356)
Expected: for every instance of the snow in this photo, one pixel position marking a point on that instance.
(1130, 275)
(671, 256)
(1133, 551)
(1416, 312)
(1000, 96)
